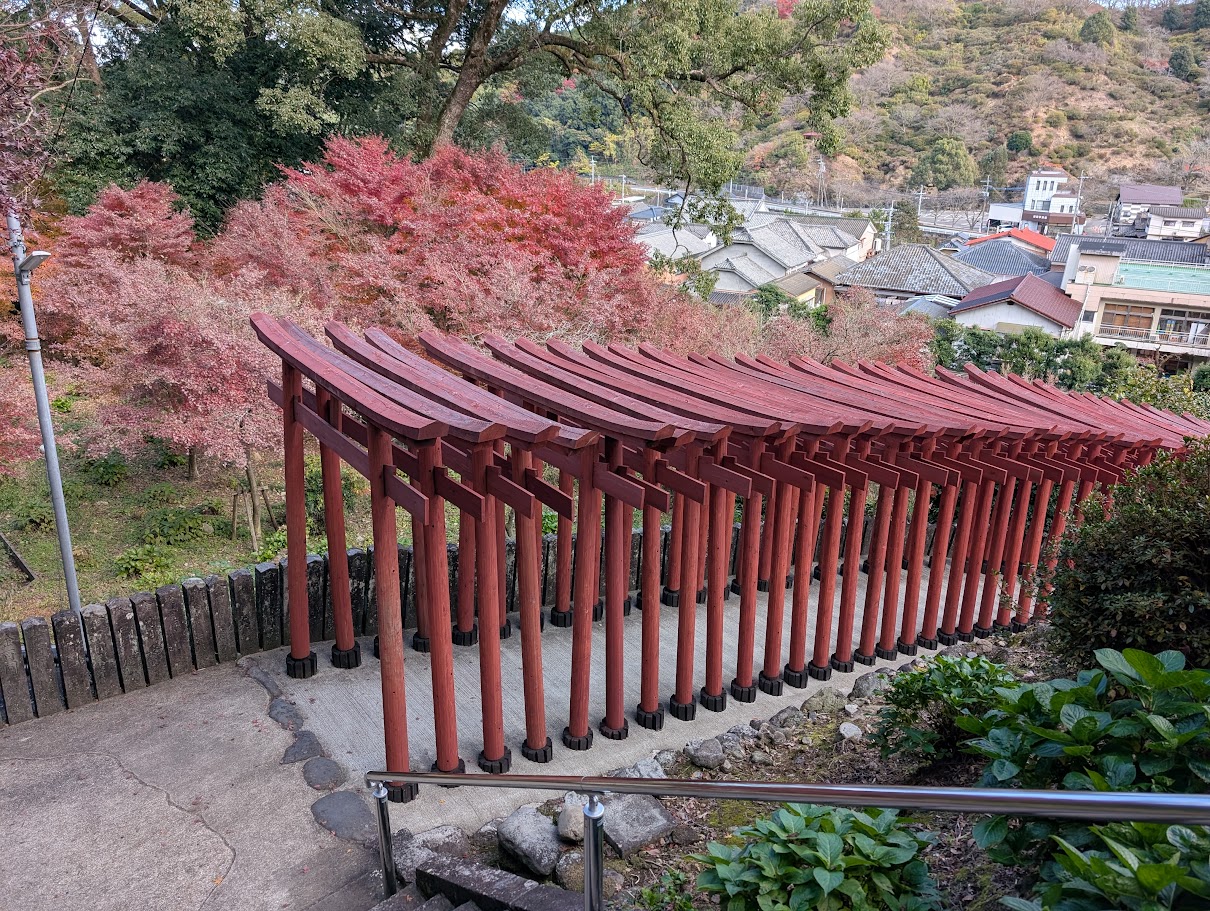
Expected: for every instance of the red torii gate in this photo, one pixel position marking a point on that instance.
(644, 430)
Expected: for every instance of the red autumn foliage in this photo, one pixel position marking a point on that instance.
(144, 221)
(18, 432)
(785, 8)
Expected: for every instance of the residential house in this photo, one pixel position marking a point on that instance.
(1018, 303)
(673, 243)
(1005, 214)
(909, 270)
(804, 287)
(1179, 222)
(826, 272)
(763, 250)
(1052, 202)
(1152, 296)
(934, 306)
(860, 228)
(1004, 258)
(1135, 199)
(1023, 238)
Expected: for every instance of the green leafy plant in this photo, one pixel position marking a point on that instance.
(142, 561)
(173, 526)
(810, 857)
(1139, 576)
(671, 893)
(272, 545)
(313, 480)
(923, 705)
(160, 494)
(34, 515)
(109, 471)
(164, 456)
(1132, 866)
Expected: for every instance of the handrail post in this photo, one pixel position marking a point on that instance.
(594, 854)
(389, 884)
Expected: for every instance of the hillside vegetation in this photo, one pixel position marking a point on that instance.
(1015, 83)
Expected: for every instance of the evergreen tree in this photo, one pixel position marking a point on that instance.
(1098, 29)
(994, 165)
(1172, 18)
(946, 165)
(1183, 62)
(1130, 19)
(1201, 14)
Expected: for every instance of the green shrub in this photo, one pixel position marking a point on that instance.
(160, 494)
(671, 893)
(173, 526)
(164, 456)
(1142, 723)
(550, 521)
(924, 704)
(1132, 866)
(145, 560)
(808, 857)
(1139, 577)
(272, 545)
(313, 481)
(34, 515)
(109, 471)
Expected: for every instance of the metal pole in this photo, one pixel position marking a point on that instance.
(34, 347)
(594, 854)
(389, 884)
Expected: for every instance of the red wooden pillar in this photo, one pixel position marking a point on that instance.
(820, 667)
(980, 527)
(941, 542)
(948, 634)
(560, 614)
(743, 688)
(894, 568)
(784, 499)
(578, 735)
(420, 546)
(346, 651)
(300, 662)
(390, 615)
(671, 595)
(505, 625)
(537, 746)
(703, 547)
(1012, 553)
(907, 644)
(495, 757)
(467, 630)
(435, 570)
(842, 657)
(995, 550)
(650, 714)
(713, 697)
(683, 703)
(1033, 543)
(876, 562)
(617, 547)
(810, 505)
(766, 542)
(1058, 526)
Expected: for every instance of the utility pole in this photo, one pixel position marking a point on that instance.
(987, 203)
(593, 160)
(1075, 227)
(920, 202)
(23, 267)
(890, 220)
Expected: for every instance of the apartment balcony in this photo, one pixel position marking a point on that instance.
(1194, 343)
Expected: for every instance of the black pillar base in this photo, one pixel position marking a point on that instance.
(598, 610)
(1019, 627)
(712, 702)
(885, 654)
(930, 644)
(670, 598)
(771, 685)
(965, 637)
(701, 596)
(819, 673)
(1003, 630)
(496, 766)
(905, 648)
(347, 658)
(865, 567)
(421, 644)
(576, 743)
(301, 668)
(728, 591)
(867, 660)
(545, 754)
(459, 769)
(762, 585)
(789, 581)
(466, 636)
(652, 721)
(736, 588)
(638, 600)
(627, 605)
(682, 711)
(560, 618)
(947, 638)
(817, 573)
(506, 630)
(402, 793)
(376, 647)
(982, 632)
(742, 693)
(796, 679)
(843, 667)
(615, 733)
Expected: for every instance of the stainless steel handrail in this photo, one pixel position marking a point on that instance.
(1093, 806)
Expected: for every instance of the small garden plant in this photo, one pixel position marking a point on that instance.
(809, 857)
(924, 705)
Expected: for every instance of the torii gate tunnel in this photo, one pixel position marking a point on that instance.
(975, 473)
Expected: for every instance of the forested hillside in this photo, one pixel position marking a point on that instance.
(976, 89)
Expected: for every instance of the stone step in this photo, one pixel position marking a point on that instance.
(489, 889)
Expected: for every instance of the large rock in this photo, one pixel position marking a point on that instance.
(569, 871)
(571, 818)
(787, 717)
(346, 815)
(633, 821)
(530, 839)
(826, 699)
(491, 889)
(867, 685)
(644, 768)
(705, 754)
(850, 731)
(411, 850)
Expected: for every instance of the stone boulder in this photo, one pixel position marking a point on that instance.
(705, 754)
(867, 685)
(571, 818)
(531, 840)
(410, 851)
(633, 821)
(826, 699)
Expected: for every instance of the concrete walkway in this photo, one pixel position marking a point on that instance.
(177, 797)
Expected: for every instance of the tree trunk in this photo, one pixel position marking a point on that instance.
(475, 69)
(254, 489)
(192, 463)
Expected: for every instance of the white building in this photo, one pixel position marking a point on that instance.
(1175, 222)
(1052, 202)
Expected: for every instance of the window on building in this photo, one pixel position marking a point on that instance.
(1129, 320)
(1188, 327)
(1169, 223)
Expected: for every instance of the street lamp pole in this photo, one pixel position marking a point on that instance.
(23, 267)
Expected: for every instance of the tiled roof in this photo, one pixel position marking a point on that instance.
(780, 239)
(854, 226)
(828, 269)
(915, 269)
(797, 283)
(828, 237)
(1159, 251)
(748, 269)
(1178, 212)
(934, 306)
(730, 298)
(1027, 291)
(1150, 194)
(1003, 257)
(1025, 235)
